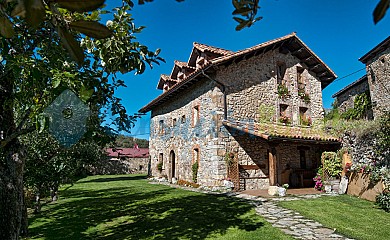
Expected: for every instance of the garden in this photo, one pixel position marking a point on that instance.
(128, 207)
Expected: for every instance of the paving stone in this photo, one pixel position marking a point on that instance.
(324, 231)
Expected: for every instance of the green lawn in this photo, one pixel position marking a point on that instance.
(128, 207)
(351, 216)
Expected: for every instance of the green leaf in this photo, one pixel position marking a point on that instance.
(85, 94)
(80, 5)
(91, 29)
(71, 45)
(239, 20)
(240, 26)
(56, 82)
(236, 4)
(6, 27)
(35, 12)
(41, 123)
(380, 10)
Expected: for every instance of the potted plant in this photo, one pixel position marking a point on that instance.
(283, 91)
(284, 120)
(332, 168)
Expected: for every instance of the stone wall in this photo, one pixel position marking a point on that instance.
(363, 153)
(122, 166)
(188, 134)
(252, 83)
(361, 148)
(378, 72)
(345, 100)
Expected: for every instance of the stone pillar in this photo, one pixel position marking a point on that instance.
(272, 167)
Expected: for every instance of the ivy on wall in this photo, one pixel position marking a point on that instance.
(362, 104)
(266, 113)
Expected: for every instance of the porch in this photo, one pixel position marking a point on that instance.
(262, 159)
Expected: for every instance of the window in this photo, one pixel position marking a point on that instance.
(161, 126)
(174, 120)
(195, 115)
(304, 118)
(281, 72)
(196, 156)
(283, 114)
(180, 76)
(301, 81)
(300, 77)
(160, 161)
(283, 110)
(183, 118)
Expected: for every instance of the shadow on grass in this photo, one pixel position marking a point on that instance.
(113, 178)
(163, 213)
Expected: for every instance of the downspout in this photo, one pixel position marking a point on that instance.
(223, 91)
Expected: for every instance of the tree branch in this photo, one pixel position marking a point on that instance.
(14, 135)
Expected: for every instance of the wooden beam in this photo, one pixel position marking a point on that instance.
(273, 173)
(321, 74)
(315, 66)
(297, 51)
(308, 58)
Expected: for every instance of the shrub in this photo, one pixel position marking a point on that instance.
(159, 166)
(383, 201)
(332, 164)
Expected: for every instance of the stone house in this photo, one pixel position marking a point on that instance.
(377, 62)
(125, 161)
(244, 115)
(375, 82)
(345, 98)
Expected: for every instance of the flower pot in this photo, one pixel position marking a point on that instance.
(335, 183)
(282, 191)
(328, 188)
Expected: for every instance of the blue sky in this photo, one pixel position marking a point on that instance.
(339, 32)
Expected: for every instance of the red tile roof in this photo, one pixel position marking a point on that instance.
(128, 152)
(204, 47)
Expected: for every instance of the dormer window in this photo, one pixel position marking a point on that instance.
(200, 61)
(180, 76)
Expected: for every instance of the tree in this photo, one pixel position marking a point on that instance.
(48, 164)
(35, 68)
(123, 141)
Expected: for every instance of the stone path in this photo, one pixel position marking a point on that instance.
(288, 221)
